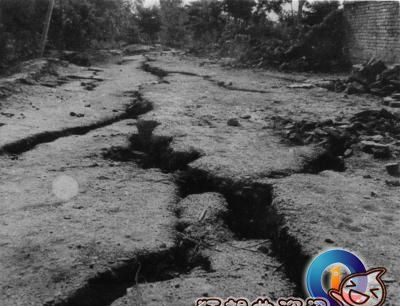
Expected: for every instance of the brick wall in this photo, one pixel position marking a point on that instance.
(373, 29)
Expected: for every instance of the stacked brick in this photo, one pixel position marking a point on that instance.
(373, 30)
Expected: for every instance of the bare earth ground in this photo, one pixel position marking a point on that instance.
(126, 185)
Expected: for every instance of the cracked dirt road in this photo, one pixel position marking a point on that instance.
(161, 201)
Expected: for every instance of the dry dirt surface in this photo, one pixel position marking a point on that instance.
(164, 178)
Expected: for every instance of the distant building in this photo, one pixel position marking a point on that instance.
(373, 30)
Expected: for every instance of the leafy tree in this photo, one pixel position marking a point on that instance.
(76, 24)
(268, 6)
(173, 18)
(239, 9)
(205, 19)
(149, 21)
(315, 11)
(261, 25)
(22, 24)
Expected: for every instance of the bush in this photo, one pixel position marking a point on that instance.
(205, 24)
(239, 9)
(315, 12)
(173, 18)
(238, 28)
(149, 22)
(321, 47)
(314, 43)
(75, 25)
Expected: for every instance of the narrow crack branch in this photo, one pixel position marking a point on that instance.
(137, 107)
(161, 74)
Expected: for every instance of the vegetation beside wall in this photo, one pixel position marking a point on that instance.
(255, 32)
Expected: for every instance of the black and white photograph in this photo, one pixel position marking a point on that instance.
(199, 153)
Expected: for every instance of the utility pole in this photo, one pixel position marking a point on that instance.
(46, 27)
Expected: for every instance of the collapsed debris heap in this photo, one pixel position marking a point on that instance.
(375, 77)
(372, 77)
(375, 132)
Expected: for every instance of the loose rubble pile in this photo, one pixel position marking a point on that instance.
(6, 89)
(373, 131)
(30, 73)
(372, 77)
(88, 57)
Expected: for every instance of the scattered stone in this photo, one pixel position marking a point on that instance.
(89, 85)
(371, 131)
(328, 84)
(8, 115)
(301, 85)
(368, 146)
(27, 81)
(96, 70)
(395, 104)
(393, 183)
(348, 153)
(233, 122)
(5, 90)
(49, 84)
(387, 100)
(264, 249)
(392, 168)
(77, 58)
(377, 138)
(382, 153)
(391, 73)
(245, 116)
(330, 241)
(135, 49)
(373, 77)
(370, 70)
(355, 87)
(78, 115)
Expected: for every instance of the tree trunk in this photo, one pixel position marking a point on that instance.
(1, 13)
(300, 10)
(46, 27)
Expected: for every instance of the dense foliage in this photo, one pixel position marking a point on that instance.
(257, 32)
(75, 25)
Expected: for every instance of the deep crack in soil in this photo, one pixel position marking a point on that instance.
(106, 287)
(250, 215)
(137, 107)
(161, 74)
